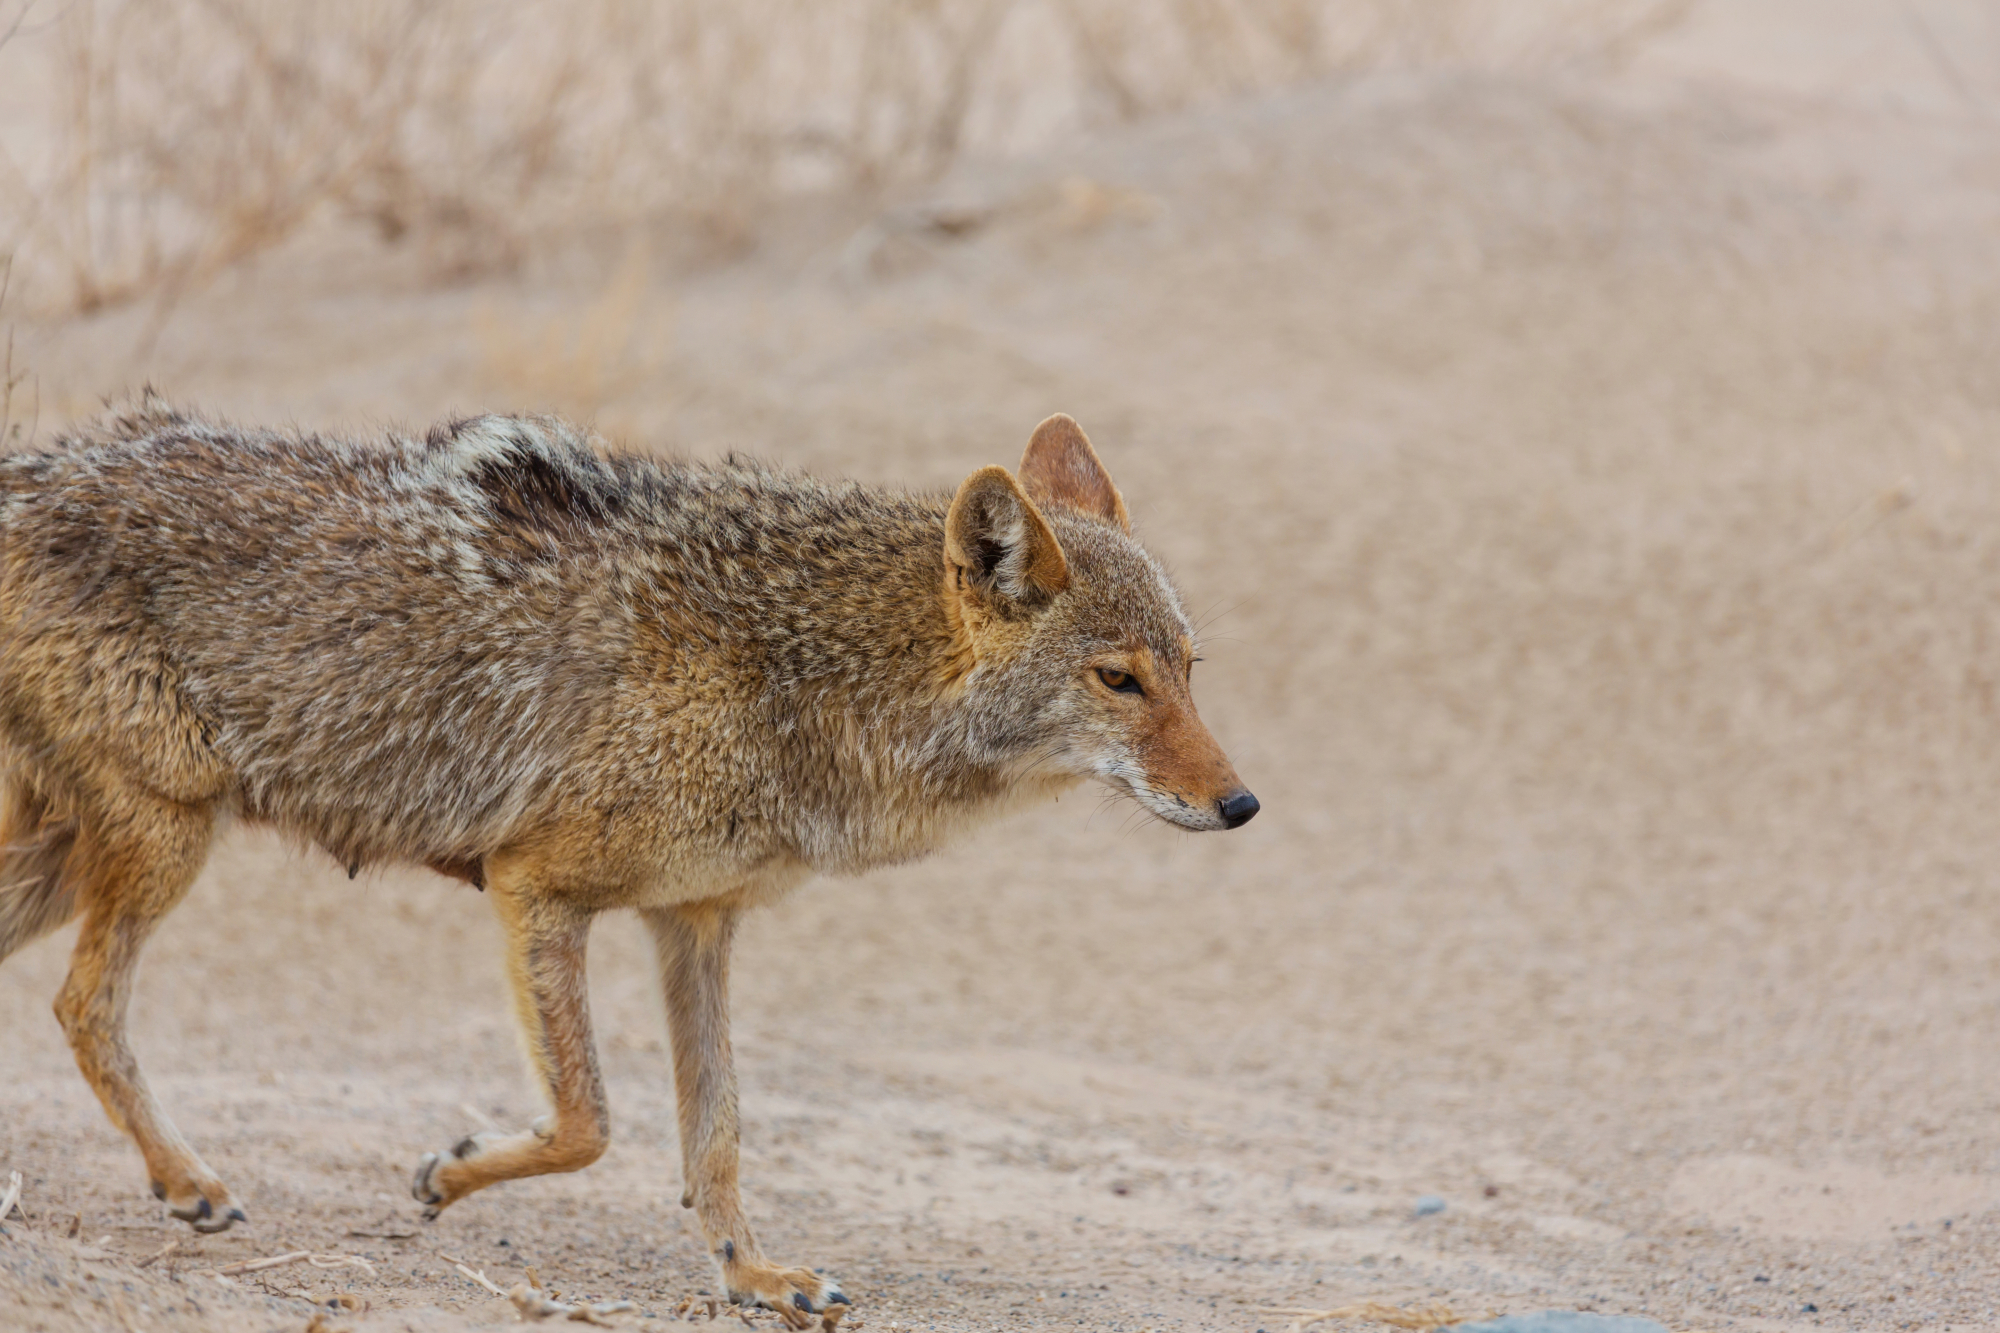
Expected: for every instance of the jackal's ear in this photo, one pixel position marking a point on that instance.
(997, 540)
(1060, 468)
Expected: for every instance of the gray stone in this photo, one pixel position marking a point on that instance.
(1429, 1204)
(1562, 1321)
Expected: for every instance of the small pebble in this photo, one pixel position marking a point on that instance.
(1429, 1204)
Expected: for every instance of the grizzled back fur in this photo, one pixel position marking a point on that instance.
(389, 648)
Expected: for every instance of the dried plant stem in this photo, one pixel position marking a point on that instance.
(478, 1276)
(171, 1248)
(534, 1305)
(295, 1257)
(1427, 1315)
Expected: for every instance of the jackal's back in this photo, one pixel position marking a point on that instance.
(390, 647)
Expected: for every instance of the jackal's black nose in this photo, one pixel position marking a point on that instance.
(1238, 809)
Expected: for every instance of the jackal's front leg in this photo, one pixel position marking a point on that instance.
(693, 944)
(545, 947)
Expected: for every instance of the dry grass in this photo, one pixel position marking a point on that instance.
(12, 431)
(162, 143)
(15, 433)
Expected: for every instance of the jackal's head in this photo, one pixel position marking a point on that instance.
(1082, 650)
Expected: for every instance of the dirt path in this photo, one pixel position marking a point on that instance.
(1592, 486)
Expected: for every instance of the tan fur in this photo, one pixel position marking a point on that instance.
(577, 679)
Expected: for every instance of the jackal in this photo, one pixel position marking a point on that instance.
(576, 678)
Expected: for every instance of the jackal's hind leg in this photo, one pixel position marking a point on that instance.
(693, 945)
(545, 950)
(128, 870)
(35, 842)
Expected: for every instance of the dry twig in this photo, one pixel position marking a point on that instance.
(471, 1275)
(534, 1305)
(172, 1247)
(1428, 1315)
(12, 1196)
(259, 1265)
(295, 1257)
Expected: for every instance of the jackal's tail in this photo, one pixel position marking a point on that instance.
(35, 840)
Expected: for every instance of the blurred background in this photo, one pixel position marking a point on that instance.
(1574, 423)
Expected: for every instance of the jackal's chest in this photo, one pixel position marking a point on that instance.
(687, 881)
(908, 826)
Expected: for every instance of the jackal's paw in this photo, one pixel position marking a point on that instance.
(437, 1185)
(203, 1204)
(794, 1293)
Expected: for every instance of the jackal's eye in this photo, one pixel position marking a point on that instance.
(1122, 681)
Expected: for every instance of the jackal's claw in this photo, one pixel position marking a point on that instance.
(420, 1187)
(794, 1294)
(433, 1185)
(205, 1214)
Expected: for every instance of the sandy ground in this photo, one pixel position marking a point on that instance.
(1591, 486)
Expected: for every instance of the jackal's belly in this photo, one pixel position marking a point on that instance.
(606, 873)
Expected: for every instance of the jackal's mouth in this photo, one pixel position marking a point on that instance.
(1164, 806)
